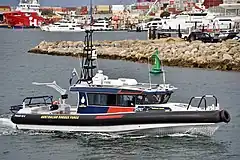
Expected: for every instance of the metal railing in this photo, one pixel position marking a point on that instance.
(203, 98)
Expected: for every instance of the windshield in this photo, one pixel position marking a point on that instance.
(38, 100)
(152, 99)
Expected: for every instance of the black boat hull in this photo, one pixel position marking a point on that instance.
(122, 119)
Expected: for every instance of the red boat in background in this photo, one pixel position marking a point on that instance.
(27, 15)
(23, 19)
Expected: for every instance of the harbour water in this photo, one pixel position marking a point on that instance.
(18, 69)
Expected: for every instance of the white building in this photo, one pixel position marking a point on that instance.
(232, 7)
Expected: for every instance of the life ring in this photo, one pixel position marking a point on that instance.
(225, 116)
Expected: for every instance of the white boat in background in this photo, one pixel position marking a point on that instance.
(101, 25)
(188, 20)
(155, 23)
(68, 26)
(63, 26)
(210, 21)
(223, 23)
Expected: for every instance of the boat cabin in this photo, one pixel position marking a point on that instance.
(112, 100)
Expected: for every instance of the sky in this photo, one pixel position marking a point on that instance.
(70, 3)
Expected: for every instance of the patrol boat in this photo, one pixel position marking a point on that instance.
(120, 105)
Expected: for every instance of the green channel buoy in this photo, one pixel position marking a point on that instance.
(156, 67)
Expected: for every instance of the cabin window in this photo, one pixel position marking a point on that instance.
(101, 99)
(157, 19)
(207, 35)
(98, 25)
(111, 100)
(126, 100)
(166, 98)
(229, 20)
(197, 14)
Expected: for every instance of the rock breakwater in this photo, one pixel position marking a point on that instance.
(173, 52)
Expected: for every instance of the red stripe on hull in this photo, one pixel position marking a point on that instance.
(120, 109)
(109, 117)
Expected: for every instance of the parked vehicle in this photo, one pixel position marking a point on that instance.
(152, 24)
(227, 35)
(237, 37)
(202, 36)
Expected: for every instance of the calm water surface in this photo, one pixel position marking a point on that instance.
(18, 69)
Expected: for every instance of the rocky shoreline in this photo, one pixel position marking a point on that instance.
(173, 52)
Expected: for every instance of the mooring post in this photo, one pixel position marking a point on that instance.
(149, 33)
(179, 32)
(154, 33)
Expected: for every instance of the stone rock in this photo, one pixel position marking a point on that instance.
(216, 56)
(227, 57)
(42, 43)
(238, 59)
(201, 60)
(233, 51)
(173, 50)
(211, 47)
(224, 49)
(211, 59)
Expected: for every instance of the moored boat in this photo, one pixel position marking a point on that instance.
(63, 26)
(101, 25)
(26, 15)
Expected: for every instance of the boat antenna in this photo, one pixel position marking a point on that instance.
(91, 16)
(164, 76)
(88, 65)
(163, 71)
(149, 74)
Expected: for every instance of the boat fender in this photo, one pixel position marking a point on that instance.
(225, 116)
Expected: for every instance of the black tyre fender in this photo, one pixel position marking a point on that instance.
(225, 116)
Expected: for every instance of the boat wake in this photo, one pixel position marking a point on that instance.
(108, 136)
(6, 126)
